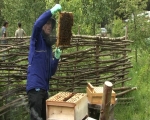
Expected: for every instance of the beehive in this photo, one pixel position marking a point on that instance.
(65, 23)
(95, 94)
(67, 106)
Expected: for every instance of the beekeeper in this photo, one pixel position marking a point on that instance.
(41, 63)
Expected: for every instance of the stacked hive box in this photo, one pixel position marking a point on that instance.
(67, 106)
(95, 94)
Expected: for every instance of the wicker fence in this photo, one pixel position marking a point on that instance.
(91, 59)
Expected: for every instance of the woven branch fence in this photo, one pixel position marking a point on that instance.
(91, 59)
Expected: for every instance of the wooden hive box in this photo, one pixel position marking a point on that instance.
(95, 94)
(67, 106)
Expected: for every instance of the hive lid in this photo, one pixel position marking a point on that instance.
(100, 90)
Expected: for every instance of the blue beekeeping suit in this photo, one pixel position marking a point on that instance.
(42, 65)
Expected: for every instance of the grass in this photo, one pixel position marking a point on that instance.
(138, 109)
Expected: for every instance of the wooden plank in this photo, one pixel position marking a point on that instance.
(60, 113)
(81, 109)
(90, 87)
(61, 117)
(54, 103)
(89, 118)
(106, 101)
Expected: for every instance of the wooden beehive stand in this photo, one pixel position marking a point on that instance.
(64, 34)
(67, 106)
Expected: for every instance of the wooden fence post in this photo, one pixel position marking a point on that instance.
(106, 99)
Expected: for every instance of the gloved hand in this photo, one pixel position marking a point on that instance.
(55, 9)
(57, 53)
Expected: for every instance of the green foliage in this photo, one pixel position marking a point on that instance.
(22, 11)
(139, 33)
(1, 17)
(94, 12)
(131, 7)
(135, 24)
(139, 108)
(118, 28)
(89, 14)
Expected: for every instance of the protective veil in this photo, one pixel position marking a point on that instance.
(50, 39)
